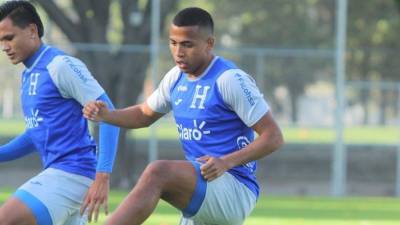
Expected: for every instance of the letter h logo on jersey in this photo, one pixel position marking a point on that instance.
(199, 96)
(33, 83)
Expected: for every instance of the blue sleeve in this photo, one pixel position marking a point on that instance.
(108, 141)
(16, 148)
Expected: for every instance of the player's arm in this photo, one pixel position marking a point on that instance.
(136, 116)
(241, 94)
(108, 141)
(269, 139)
(98, 191)
(18, 147)
(75, 81)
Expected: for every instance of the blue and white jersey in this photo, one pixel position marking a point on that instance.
(213, 113)
(54, 88)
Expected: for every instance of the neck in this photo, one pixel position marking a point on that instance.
(36, 47)
(33, 54)
(200, 70)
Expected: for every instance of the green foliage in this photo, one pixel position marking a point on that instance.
(372, 40)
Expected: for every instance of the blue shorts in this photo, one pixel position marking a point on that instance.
(223, 201)
(55, 197)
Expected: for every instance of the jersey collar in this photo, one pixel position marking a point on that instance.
(205, 71)
(31, 61)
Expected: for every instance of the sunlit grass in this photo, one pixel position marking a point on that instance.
(352, 135)
(166, 129)
(288, 211)
(11, 127)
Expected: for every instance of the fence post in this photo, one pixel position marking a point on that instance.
(339, 163)
(260, 69)
(155, 51)
(398, 145)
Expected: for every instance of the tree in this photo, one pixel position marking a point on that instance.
(372, 42)
(120, 72)
(288, 25)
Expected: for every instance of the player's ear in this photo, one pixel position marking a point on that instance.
(32, 29)
(210, 42)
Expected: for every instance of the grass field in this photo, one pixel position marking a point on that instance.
(290, 211)
(353, 135)
(281, 210)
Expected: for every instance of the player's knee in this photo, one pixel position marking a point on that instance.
(157, 170)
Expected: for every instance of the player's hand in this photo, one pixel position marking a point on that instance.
(97, 196)
(213, 167)
(95, 111)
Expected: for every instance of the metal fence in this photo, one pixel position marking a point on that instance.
(306, 88)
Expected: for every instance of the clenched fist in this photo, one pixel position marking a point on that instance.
(95, 111)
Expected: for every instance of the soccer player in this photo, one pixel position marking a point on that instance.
(54, 88)
(217, 107)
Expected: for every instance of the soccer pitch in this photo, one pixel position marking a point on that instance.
(289, 211)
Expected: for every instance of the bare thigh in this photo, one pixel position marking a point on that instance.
(15, 212)
(177, 179)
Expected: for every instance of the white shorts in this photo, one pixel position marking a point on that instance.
(227, 201)
(55, 197)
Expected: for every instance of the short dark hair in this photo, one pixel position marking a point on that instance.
(22, 13)
(194, 16)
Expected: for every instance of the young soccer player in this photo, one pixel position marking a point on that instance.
(217, 107)
(54, 88)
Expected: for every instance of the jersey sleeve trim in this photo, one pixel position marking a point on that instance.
(73, 79)
(160, 100)
(241, 94)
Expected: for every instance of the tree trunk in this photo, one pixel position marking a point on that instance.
(365, 95)
(383, 104)
(124, 170)
(294, 114)
(121, 73)
(365, 92)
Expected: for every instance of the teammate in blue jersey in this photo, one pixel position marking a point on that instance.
(217, 107)
(54, 87)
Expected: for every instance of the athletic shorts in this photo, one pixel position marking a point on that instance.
(223, 201)
(55, 197)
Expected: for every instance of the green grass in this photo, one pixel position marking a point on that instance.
(11, 127)
(165, 129)
(352, 135)
(289, 211)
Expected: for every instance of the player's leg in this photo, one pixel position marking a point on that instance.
(227, 202)
(174, 181)
(59, 193)
(13, 211)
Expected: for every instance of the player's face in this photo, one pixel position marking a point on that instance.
(17, 43)
(191, 48)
